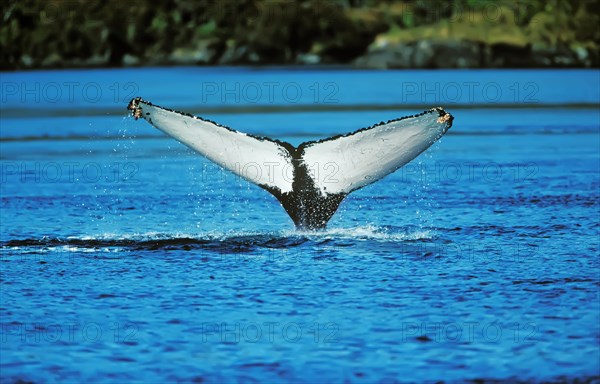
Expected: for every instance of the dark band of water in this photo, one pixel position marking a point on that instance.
(285, 108)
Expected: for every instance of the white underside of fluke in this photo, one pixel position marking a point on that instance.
(337, 165)
(260, 161)
(361, 158)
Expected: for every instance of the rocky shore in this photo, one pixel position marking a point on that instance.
(467, 54)
(424, 54)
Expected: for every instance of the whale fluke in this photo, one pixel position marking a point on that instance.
(310, 180)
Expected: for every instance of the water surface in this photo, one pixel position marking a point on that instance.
(125, 256)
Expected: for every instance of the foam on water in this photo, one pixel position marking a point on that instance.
(371, 232)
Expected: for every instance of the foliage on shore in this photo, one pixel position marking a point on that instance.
(369, 33)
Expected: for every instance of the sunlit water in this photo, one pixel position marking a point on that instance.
(125, 256)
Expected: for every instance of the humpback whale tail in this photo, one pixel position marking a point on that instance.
(311, 180)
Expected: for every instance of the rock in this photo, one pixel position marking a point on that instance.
(582, 54)
(456, 54)
(233, 55)
(254, 58)
(424, 55)
(203, 53)
(27, 60)
(308, 59)
(504, 55)
(594, 58)
(554, 56)
(130, 60)
(585, 57)
(52, 61)
(182, 56)
(403, 56)
(97, 60)
(387, 56)
(379, 59)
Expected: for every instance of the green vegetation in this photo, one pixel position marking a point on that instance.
(549, 24)
(71, 33)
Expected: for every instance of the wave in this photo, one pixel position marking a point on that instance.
(235, 242)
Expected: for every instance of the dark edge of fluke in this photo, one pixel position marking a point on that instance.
(136, 113)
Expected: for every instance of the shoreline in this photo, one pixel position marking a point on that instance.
(424, 54)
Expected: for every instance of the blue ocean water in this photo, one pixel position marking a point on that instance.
(126, 257)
